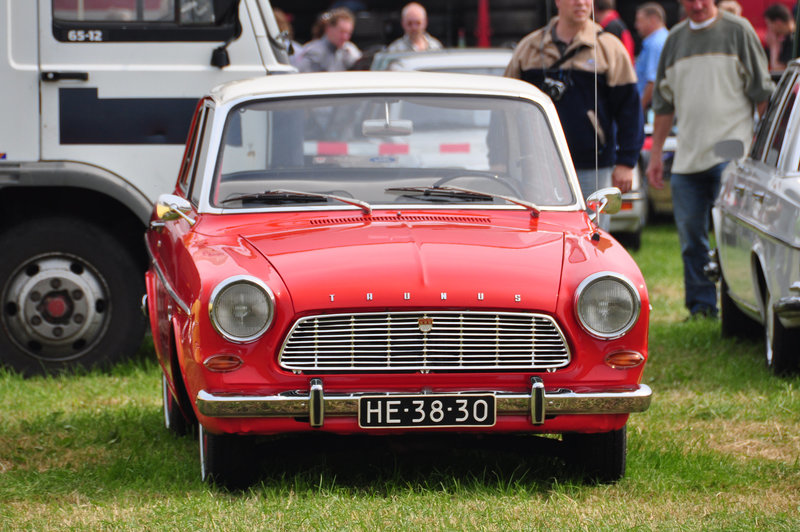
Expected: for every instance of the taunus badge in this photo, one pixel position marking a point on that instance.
(425, 324)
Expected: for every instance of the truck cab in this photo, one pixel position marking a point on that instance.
(97, 101)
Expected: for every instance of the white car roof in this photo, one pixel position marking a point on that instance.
(371, 82)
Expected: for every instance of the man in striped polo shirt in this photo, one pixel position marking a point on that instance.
(712, 77)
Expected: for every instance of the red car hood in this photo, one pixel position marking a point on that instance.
(390, 265)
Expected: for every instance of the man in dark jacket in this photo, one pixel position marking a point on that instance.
(590, 78)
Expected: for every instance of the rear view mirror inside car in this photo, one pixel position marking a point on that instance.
(386, 128)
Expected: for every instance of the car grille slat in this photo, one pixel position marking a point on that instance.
(395, 341)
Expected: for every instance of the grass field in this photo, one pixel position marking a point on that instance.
(719, 449)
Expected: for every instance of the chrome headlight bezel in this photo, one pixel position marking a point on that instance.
(255, 282)
(635, 301)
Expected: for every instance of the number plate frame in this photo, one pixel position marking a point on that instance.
(427, 411)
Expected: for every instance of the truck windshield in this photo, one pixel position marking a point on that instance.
(206, 12)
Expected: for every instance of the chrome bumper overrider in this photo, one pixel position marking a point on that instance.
(788, 310)
(315, 404)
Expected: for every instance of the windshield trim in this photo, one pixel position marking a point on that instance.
(389, 207)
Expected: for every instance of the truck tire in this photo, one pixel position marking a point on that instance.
(70, 297)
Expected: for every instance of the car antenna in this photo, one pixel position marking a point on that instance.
(596, 234)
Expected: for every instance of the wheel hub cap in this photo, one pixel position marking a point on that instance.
(55, 307)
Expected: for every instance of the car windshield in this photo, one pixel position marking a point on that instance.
(386, 149)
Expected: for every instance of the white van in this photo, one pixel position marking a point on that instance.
(96, 104)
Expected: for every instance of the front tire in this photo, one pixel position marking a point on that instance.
(734, 322)
(174, 419)
(599, 457)
(226, 460)
(70, 297)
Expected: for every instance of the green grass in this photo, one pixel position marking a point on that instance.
(717, 450)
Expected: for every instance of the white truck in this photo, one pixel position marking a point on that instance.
(97, 98)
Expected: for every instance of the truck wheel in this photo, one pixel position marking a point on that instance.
(70, 297)
(599, 457)
(226, 460)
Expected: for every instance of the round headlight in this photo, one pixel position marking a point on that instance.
(241, 308)
(607, 305)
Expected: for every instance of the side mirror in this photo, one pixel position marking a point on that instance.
(171, 207)
(607, 200)
(220, 57)
(729, 150)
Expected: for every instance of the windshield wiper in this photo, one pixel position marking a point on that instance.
(439, 192)
(295, 196)
(464, 193)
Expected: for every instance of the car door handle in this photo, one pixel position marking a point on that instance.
(58, 76)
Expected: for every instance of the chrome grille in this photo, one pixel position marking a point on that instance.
(394, 341)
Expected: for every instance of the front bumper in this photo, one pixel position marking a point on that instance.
(315, 404)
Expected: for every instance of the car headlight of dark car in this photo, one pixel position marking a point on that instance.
(242, 308)
(607, 304)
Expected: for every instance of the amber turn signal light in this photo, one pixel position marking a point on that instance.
(624, 359)
(223, 363)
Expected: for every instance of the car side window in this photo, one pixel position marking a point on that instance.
(93, 21)
(762, 136)
(782, 123)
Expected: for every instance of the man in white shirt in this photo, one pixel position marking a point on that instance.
(712, 77)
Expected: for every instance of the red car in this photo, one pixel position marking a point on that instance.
(388, 253)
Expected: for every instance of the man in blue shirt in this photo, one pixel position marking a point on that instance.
(649, 23)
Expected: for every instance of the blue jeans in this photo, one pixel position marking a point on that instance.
(693, 196)
(591, 181)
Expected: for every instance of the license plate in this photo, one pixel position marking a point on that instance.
(393, 411)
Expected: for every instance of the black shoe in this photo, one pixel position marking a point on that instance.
(703, 313)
